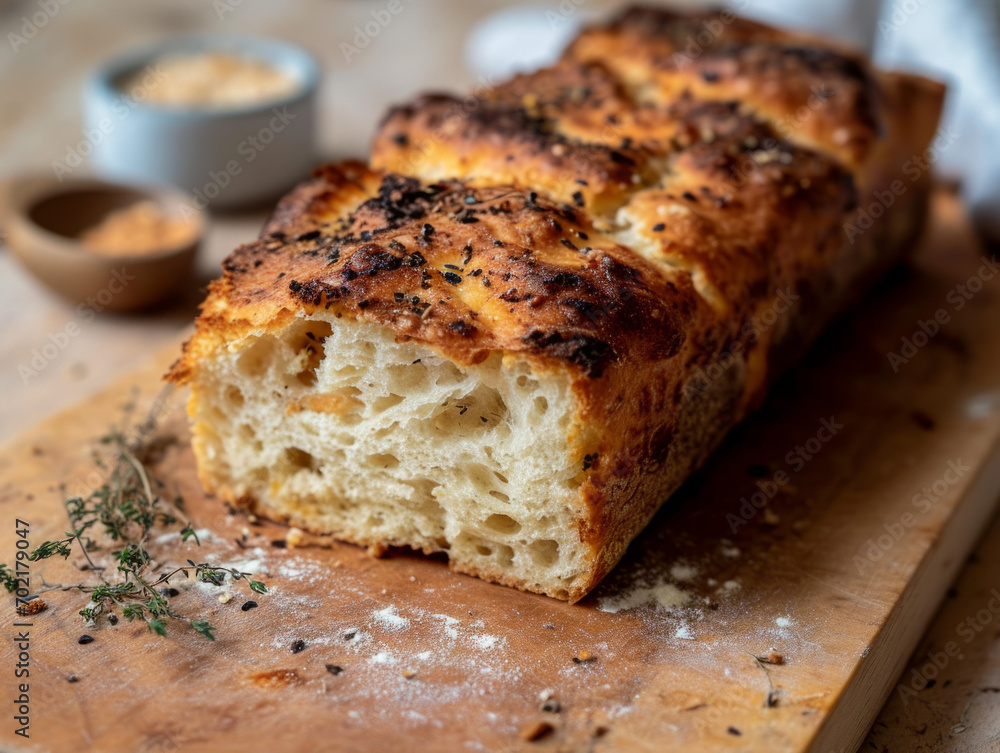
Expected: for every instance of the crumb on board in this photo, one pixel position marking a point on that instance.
(276, 678)
(297, 538)
(28, 608)
(537, 731)
(377, 550)
(771, 657)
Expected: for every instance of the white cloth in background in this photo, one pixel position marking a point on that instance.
(853, 21)
(519, 39)
(955, 41)
(958, 42)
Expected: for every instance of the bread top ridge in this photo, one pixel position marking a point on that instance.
(638, 201)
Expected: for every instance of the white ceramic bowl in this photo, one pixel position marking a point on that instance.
(222, 156)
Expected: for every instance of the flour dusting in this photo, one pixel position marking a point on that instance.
(203, 534)
(660, 594)
(449, 625)
(682, 571)
(389, 619)
(485, 642)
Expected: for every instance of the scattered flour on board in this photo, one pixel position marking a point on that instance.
(682, 571)
(254, 566)
(389, 619)
(355, 637)
(485, 642)
(660, 593)
(449, 625)
(783, 622)
(203, 534)
(728, 550)
(298, 569)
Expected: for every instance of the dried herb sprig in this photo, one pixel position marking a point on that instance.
(124, 510)
(7, 578)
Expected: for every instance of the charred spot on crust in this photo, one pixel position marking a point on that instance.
(586, 351)
(371, 259)
(593, 313)
(562, 280)
(400, 198)
(314, 291)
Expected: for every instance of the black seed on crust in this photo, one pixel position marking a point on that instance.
(462, 328)
(416, 259)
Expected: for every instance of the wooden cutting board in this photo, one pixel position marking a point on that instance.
(877, 483)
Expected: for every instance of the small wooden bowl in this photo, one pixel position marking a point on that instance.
(45, 217)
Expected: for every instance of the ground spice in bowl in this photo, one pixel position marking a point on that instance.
(140, 229)
(212, 79)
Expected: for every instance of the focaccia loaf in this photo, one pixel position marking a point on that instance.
(513, 335)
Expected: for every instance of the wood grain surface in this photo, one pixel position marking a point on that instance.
(891, 477)
(40, 118)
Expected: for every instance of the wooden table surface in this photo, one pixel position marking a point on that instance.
(957, 709)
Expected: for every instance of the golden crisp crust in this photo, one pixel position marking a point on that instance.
(626, 216)
(826, 97)
(468, 270)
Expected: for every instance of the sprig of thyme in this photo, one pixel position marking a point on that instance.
(7, 578)
(124, 510)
